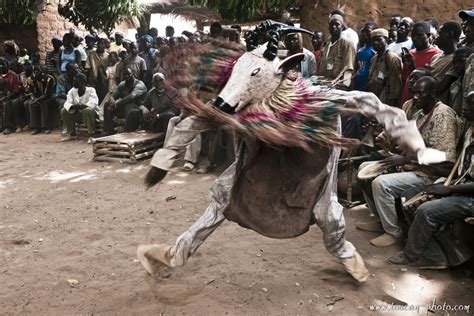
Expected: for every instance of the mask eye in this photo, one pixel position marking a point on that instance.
(255, 71)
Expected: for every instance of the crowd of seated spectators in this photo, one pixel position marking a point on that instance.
(424, 67)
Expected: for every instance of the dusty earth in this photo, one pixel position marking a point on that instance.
(64, 217)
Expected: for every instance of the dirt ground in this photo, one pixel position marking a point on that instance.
(63, 217)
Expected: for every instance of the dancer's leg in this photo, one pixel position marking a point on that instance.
(194, 237)
(329, 217)
(153, 257)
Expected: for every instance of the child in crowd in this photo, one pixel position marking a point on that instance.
(111, 72)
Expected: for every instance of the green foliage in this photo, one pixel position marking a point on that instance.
(102, 15)
(245, 10)
(17, 12)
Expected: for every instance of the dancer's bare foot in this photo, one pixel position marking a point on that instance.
(154, 257)
(356, 268)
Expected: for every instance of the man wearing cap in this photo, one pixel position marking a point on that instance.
(467, 24)
(149, 54)
(337, 60)
(385, 76)
(347, 32)
(294, 44)
(159, 107)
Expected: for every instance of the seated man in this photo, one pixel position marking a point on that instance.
(439, 127)
(41, 100)
(64, 84)
(455, 203)
(82, 103)
(12, 110)
(129, 94)
(157, 109)
(409, 108)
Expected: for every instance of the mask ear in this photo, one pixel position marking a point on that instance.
(289, 62)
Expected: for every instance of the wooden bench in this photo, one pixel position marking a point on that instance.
(127, 147)
(81, 128)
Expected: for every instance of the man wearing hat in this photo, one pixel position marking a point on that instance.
(159, 107)
(149, 54)
(338, 58)
(385, 76)
(347, 32)
(467, 24)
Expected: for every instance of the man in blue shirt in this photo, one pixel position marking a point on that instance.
(364, 55)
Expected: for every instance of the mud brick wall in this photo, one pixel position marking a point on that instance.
(48, 24)
(38, 37)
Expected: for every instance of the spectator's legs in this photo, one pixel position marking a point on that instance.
(46, 107)
(8, 117)
(88, 117)
(366, 186)
(429, 217)
(70, 120)
(25, 110)
(386, 189)
(35, 115)
(133, 120)
(19, 112)
(60, 106)
(109, 120)
(160, 125)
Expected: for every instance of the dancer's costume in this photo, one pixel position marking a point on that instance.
(284, 175)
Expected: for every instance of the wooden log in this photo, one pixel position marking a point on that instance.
(113, 152)
(139, 149)
(114, 159)
(110, 145)
(145, 154)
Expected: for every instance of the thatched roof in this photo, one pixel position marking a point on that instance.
(203, 14)
(181, 8)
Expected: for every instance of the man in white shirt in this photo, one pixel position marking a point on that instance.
(403, 39)
(81, 103)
